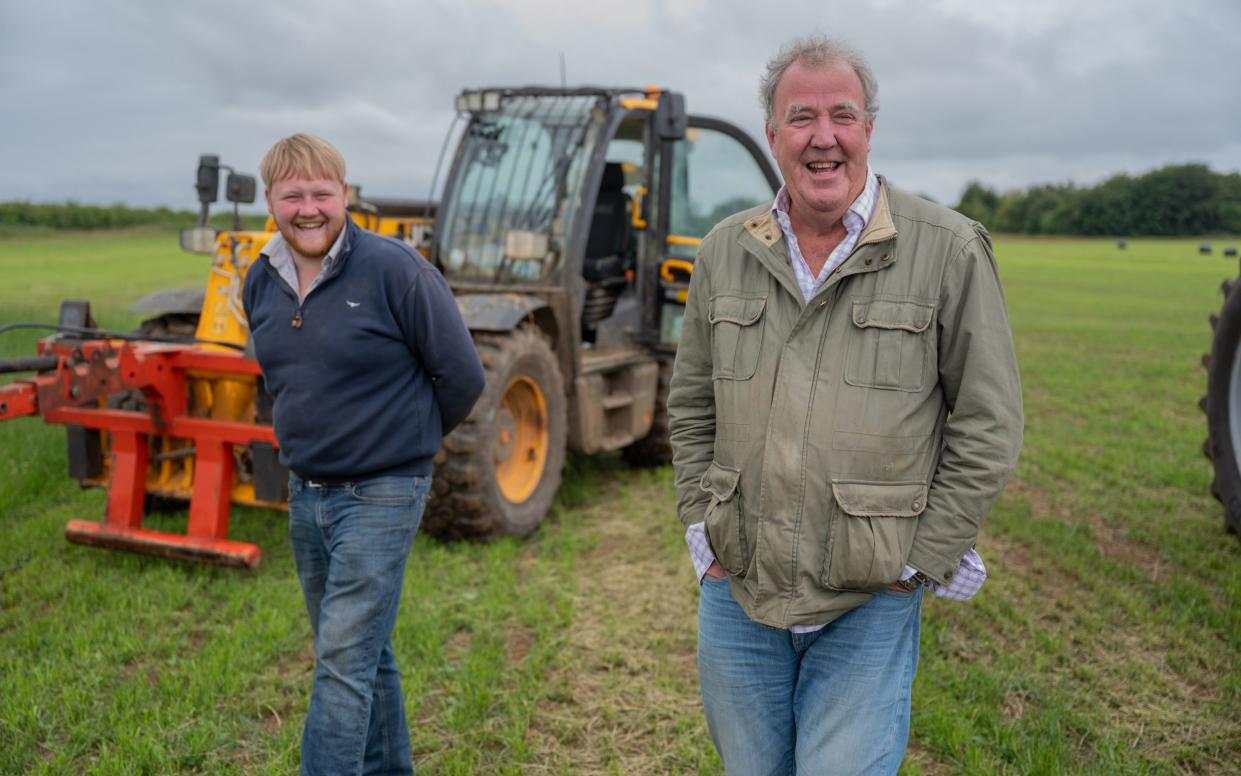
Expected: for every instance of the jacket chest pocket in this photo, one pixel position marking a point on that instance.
(736, 335)
(889, 344)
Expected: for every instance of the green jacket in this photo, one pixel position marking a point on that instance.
(826, 445)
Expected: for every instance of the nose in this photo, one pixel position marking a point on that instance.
(824, 135)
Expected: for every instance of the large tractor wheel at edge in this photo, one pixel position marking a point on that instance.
(1222, 405)
(498, 472)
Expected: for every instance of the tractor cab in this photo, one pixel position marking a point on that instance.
(568, 224)
(597, 195)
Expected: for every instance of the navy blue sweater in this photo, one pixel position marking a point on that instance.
(381, 367)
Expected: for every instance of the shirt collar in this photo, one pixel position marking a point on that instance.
(280, 254)
(862, 208)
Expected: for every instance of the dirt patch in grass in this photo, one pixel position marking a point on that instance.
(629, 701)
(517, 642)
(1117, 546)
(926, 760)
(299, 665)
(457, 644)
(270, 720)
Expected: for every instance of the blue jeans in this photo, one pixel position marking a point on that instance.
(835, 701)
(350, 544)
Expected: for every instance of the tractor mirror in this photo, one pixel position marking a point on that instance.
(208, 183)
(671, 119)
(239, 188)
(199, 239)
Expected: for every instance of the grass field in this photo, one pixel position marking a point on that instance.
(1107, 640)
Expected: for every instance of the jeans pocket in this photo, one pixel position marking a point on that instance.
(393, 491)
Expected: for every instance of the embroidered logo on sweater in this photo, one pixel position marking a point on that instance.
(352, 304)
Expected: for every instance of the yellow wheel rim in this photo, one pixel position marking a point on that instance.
(521, 439)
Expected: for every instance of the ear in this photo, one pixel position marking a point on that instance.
(771, 136)
(267, 199)
(870, 127)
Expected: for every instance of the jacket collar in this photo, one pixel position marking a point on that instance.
(880, 227)
(764, 238)
(764, 228)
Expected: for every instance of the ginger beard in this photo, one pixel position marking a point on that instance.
(309, 212)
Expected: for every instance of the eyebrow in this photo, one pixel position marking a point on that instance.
(796, 108)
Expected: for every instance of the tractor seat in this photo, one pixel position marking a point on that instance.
(608, 241)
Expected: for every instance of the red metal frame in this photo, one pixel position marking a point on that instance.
(94, 369)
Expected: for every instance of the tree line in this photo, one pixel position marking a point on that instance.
(1176, 200)
(72, 215)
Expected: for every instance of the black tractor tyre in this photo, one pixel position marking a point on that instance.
(654, 449)
(498, 472)
(170, 326)
(1223, 406)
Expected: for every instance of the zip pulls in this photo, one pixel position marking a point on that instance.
(290, 281)
(283, 283)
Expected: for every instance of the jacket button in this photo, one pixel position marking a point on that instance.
(917, 505)
(870, 262)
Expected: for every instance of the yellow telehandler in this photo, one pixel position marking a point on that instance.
(567, 229)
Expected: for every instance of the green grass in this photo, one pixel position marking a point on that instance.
(1106, 641)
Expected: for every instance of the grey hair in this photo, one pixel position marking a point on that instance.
(817, 50)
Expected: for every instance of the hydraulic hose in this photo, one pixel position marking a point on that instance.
(104, 334)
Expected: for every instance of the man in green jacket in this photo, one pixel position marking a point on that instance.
(845, 409)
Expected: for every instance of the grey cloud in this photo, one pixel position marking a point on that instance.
(114, 101)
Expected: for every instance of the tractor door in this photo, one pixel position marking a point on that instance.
(715, 171)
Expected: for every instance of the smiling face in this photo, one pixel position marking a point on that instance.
(820, 140)
(308, 212)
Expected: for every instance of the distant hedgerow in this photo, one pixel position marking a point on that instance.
(1173, 201)
(72, 215)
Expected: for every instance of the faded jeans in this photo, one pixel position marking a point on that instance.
(350, 543)
(833, 701)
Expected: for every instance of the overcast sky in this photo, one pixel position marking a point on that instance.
(110, 101)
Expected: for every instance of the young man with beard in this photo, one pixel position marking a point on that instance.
(369, 364)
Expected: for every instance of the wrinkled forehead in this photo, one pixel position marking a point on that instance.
(834, 78)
